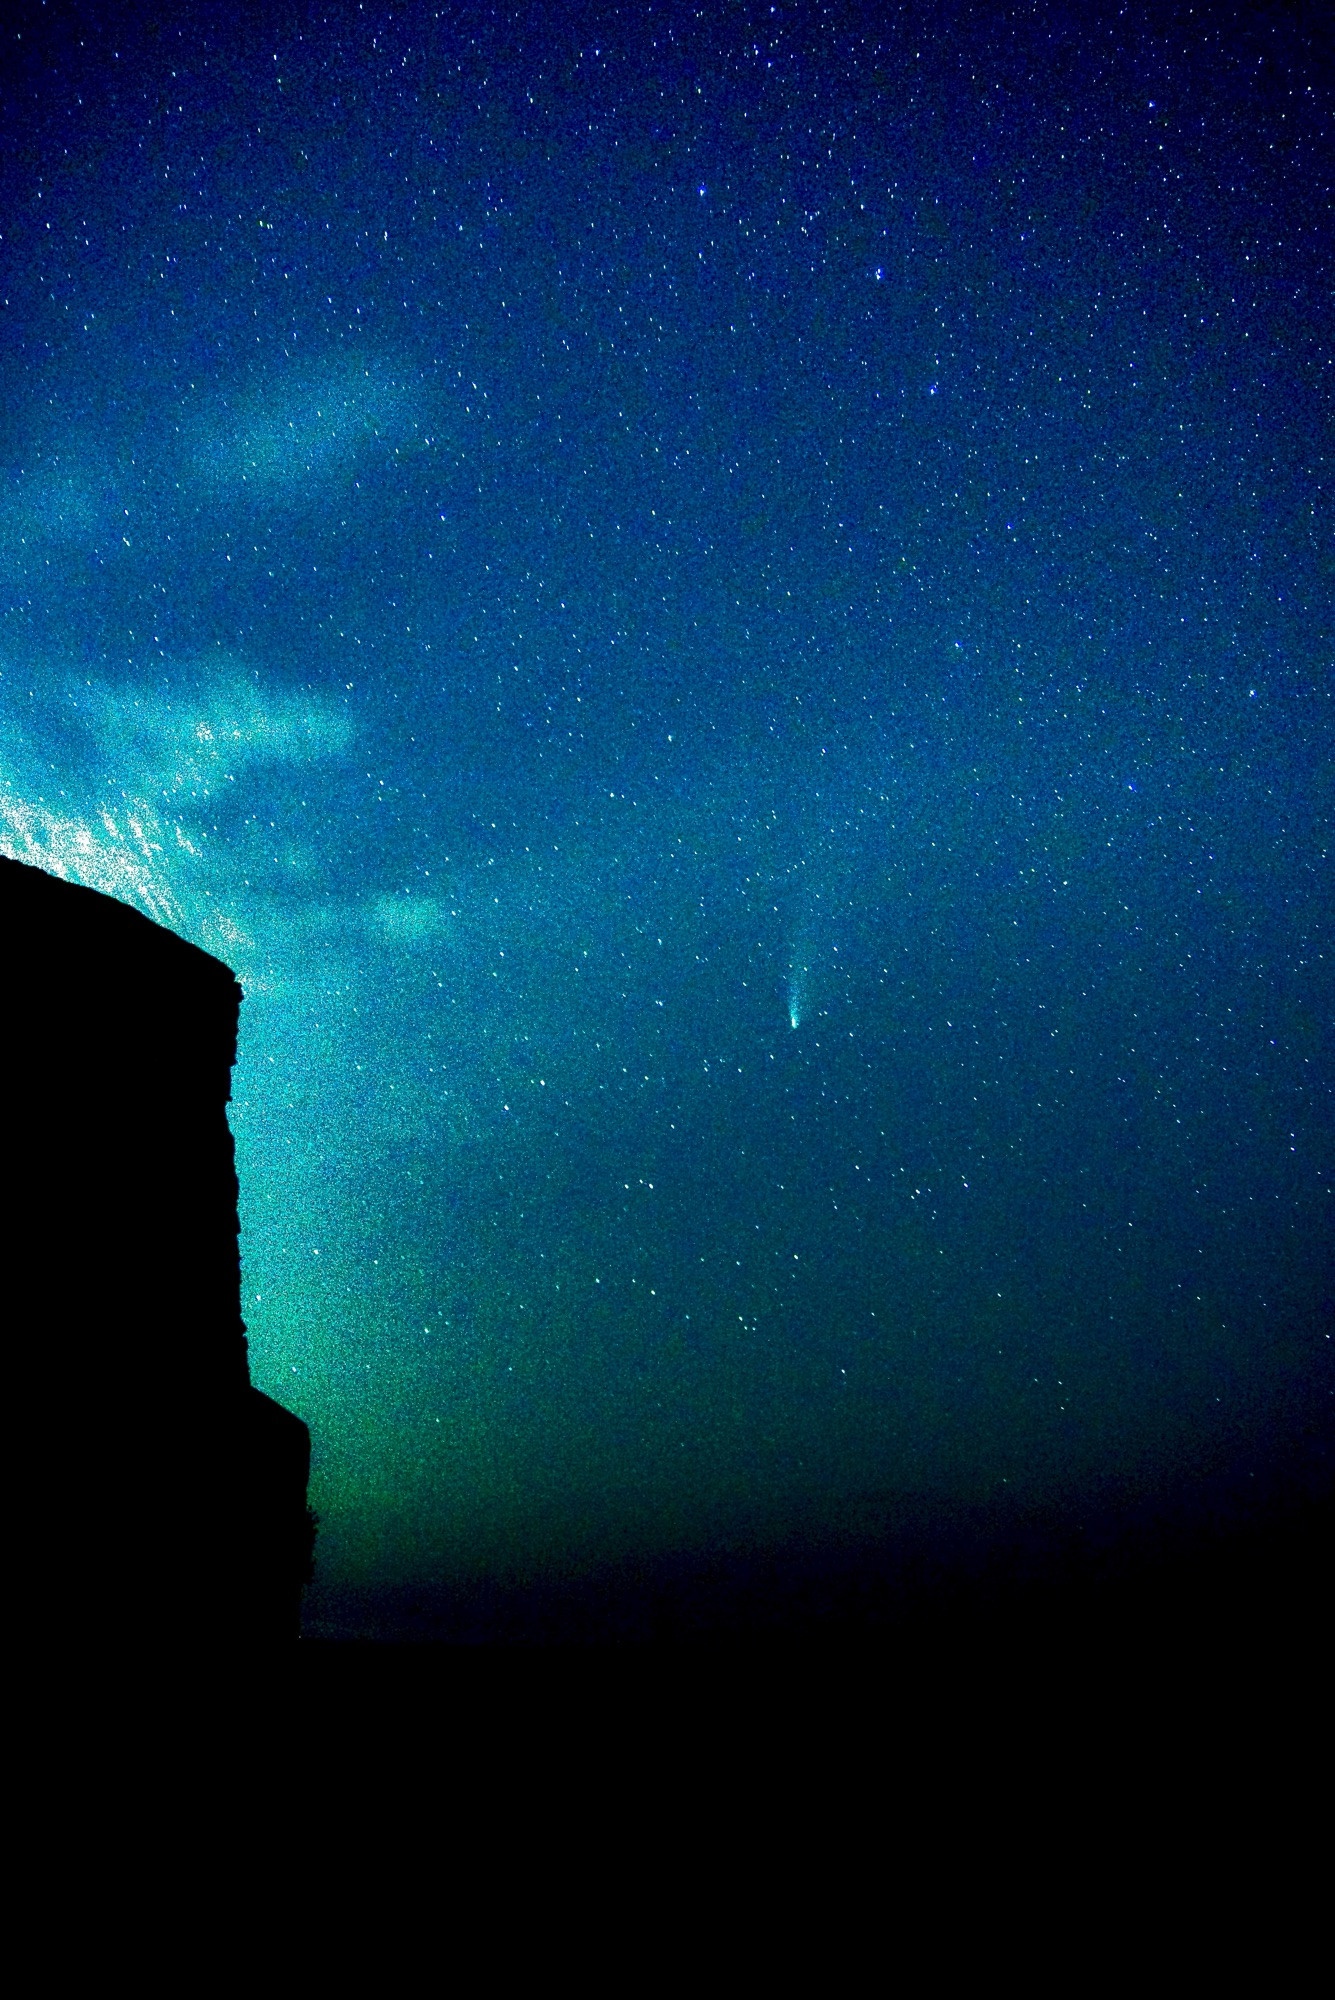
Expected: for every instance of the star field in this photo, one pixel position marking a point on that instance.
(725, 615)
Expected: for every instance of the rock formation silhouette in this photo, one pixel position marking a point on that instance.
(158, 1496)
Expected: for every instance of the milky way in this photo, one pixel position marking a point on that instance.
(726, 620)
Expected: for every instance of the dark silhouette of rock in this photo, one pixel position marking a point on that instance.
(158, 1496)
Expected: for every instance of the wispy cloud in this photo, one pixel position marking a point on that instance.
(69, 499)
(204, 736)
(409, 920)
(303, 428)
(128, 812)
(125, 852)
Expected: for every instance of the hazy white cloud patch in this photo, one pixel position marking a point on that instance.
(127, 809)
(124, 851)
(193, 741)
(67, 497)
(304, 427)
(409, 920)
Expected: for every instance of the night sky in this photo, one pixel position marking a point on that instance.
(724, 613)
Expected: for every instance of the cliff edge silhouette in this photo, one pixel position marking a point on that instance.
(159, 1497)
